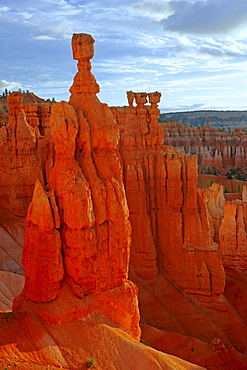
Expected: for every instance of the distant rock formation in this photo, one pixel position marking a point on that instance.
(214, 148)
(232, 236)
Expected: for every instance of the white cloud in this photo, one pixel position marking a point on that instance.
(9, 85)
(4, 9)
(44, 37)
(156, 9)
(209, 47)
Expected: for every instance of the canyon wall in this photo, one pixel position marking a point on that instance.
(214, 148)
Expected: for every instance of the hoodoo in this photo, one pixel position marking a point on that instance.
(77, 228)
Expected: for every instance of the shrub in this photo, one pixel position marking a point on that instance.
(211, 181)
(226, 190)
(239, 188)
(91, 362)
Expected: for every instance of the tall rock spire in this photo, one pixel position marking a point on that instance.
(90, 256)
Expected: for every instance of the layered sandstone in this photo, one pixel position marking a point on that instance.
(10, 286)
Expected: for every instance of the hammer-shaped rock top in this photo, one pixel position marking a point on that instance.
(82, 46)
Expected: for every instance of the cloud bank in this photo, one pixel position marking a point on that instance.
(193, 51)
(209, 17)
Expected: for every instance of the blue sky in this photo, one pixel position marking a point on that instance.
(193, 51)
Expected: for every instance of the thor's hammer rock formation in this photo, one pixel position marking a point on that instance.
(77, 237)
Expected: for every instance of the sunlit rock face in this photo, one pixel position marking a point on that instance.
(77, 227)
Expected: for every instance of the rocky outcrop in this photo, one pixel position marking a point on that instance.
(77, 229)
(38, 116)
(228, 224)
(214, 200)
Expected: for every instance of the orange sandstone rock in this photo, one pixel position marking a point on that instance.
(77, 241)
(215, 200)
(25, 156)
(42, 259)
(12, 231)
(77, 232)
(232, 236)
(70, 344)
(215, 355)
(161, 191)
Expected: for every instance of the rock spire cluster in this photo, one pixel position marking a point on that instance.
(109, 208)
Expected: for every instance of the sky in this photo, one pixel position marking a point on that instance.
(192, 51)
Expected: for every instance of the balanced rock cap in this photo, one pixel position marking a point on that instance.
(82, 46)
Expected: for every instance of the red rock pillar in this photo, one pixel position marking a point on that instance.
(32, 116)
(93, 235)
(42, 258)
